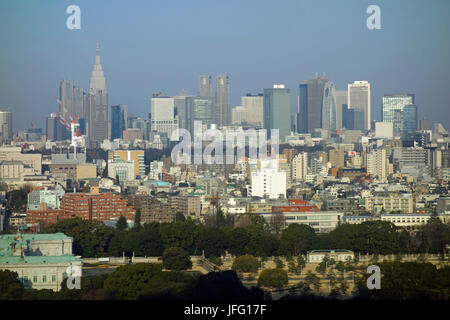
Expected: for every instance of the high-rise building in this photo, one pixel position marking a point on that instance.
(269, 181)
(299, 167)
(423, 124)
(329, 108)
(392, 102)
(359, 98)
(204, 86)
(181, 109)
(254, 105)
(277, 110)
(201, 109)
(378, 164)
(222, 101)
(98, 103)
(162, 115)
(341, 100)
(239, 115)
(354, 119)
(5, 125)
(119, 121)
(310, 102)
(409, 119)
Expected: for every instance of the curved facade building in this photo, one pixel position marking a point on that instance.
(329, 107)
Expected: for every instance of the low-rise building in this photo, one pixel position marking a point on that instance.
(317, 256)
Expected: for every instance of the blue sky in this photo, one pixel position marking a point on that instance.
(149, 46)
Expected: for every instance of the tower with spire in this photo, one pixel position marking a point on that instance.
(98, 103)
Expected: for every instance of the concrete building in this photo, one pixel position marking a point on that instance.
(33, 160)
(378, 164)
(121, 169)
(204, 86)
(384, 130)
(341, 105)
(359, 98)
(299, 167)
(130, 155)
(162, 115)
(86, 171)
(222, 101)
(40, 260)
(5, 125)
(316, 256)
(269, 181)
(390, 202)
(254, 105)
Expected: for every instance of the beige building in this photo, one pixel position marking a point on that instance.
(130, 155)
(391, 202)
(86, 171)
(33, 160)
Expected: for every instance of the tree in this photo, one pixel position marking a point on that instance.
(301, 262)
(122, 224)
(179, 217)
(278, 262)
(220, 218)
(277, 221)
(273, 278)
(238, 240)
(312, 280)
(137, 220)
(10, 287)
(296, 239)
(212, 241)
(176, 259)
(245, 263)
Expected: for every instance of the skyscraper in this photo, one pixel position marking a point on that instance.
(223, 111)
(329, 108)
(359, 98)
(341, 100)
(162, 115)
(119, 120)
(5, 125)
(204, 86)
(392, 102)
(310, 104)
(201, 109)
(409, 119)
(98, 103)
(277, 110)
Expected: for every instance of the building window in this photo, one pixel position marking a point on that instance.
(44, 279)
(34, 278)
(53, 278)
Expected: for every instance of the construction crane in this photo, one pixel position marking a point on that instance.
(73, 127)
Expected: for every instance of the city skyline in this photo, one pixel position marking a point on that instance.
(126, 55)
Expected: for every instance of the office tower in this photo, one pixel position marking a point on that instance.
(181, 109)
(239, 115)
(329, 108)
(162, 115)
(205, 86)
(392, 102)
(223, 111)
(201, 109)
(354, 119)
(277, 110)
(55, 130)
(310, 102)
(145, 125)
(424, 124)
(302, 109)
(336, 158)
(359, 98)
(119, 121)
(409, 119)
(341, 100)
(5, 125)
(299, 167)
(98, 103)
(254, 105)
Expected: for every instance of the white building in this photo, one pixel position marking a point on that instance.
(384, 130)
(299, 167)
(269, 181)
(316, 256)
(123, 169)
(320, 221)
(162, 115)
(378, 164)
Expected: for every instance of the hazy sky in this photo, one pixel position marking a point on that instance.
(164, 45)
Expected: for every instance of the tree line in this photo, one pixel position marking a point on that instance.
(254, 237)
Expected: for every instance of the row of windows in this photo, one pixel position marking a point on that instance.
(44, 279)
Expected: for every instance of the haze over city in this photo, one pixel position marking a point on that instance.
(164, 46)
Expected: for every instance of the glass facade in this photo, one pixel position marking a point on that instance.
(118, 121)
(277, 111)
(409, 119)
(329, 107)
(395, 102)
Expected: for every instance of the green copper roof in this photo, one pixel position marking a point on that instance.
(38, 259)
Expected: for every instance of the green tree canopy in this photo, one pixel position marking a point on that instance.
(273, 278)
(176, 259)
